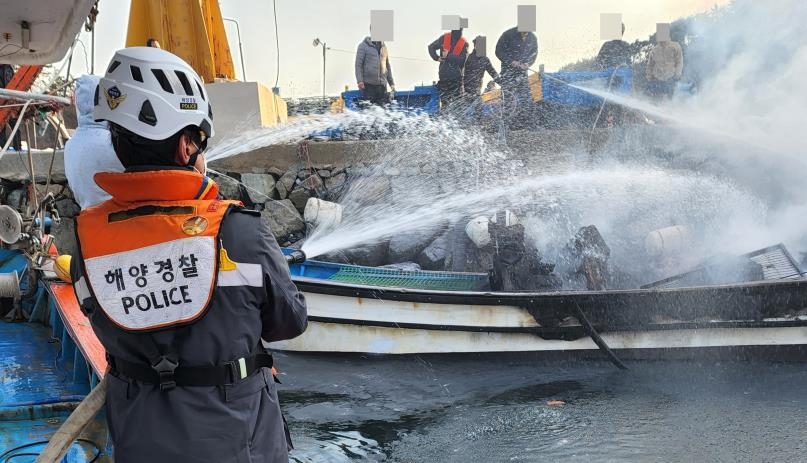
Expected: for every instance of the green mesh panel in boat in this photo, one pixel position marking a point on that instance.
(440, 281)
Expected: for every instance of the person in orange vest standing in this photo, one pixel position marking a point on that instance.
(453, 51)
(182, 289)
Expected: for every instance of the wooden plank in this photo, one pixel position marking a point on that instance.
(78, 326)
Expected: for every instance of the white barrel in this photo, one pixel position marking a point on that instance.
(667, 241)
(324, 214)
(477, 231)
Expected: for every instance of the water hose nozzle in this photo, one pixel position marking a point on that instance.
(296, 257)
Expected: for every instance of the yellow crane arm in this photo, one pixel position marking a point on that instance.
(191, 29)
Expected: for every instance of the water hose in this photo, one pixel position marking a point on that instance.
(598, 340)
(63, 438)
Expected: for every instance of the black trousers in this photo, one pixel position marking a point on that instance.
(517, 100)
(450, 93)
(375, 94)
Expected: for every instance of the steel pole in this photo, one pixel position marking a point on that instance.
(240, 48)
(323, 69)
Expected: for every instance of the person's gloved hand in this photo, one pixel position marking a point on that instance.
(491, 85)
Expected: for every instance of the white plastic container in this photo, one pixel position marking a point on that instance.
(509, 218)
(322, 214)
(667, 241)
(477, 231)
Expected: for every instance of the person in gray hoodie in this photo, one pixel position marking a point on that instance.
(89, 150)
(373, 71)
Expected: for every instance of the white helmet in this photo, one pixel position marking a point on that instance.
(152, 93)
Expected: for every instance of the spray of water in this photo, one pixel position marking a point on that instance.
(743, 124)
(625, 202)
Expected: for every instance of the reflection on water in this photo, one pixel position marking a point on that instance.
(496, 408)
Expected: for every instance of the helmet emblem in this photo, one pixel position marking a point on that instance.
(194, 225)
(114, 97)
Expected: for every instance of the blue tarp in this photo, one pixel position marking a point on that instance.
(555, 89)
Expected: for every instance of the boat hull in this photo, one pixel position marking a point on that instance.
(350, 338)
(361, 319)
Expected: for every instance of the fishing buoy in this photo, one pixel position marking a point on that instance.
(667, 241)
(322, 214)
(477, 231)
(61, 266)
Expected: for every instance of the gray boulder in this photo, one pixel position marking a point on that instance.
(283, 219)
(404, 247)
(67, 208)
(372, 255)
(336, 181)
(433, 257)
(260, 187)
(299, 197)
(64, 234)
(17, 199)
(275, 172)
(229, 186)
(288, 179)
(281, 191)
(313, 184)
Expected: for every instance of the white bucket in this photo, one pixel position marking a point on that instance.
(477, 231)
(667, 241)
(322, 214)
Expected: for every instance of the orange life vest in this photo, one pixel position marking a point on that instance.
(152, 264)
(458, 47)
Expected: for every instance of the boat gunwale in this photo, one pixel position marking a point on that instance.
(334, 288)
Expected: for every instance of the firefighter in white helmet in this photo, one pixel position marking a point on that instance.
(181, 288)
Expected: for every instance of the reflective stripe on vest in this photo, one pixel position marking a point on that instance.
(153, 264)
(447, 44)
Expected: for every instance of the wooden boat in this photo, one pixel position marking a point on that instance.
(381, 311)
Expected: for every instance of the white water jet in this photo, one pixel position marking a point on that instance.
(649, 198)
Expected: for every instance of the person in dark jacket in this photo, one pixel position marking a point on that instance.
(373, 71)
(183, 290)
(453, 51)
(613, 53)
(517, 50)
(475, 68)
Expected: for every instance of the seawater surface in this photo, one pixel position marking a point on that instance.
(483, 408)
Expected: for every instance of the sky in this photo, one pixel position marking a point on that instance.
(567, 31)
